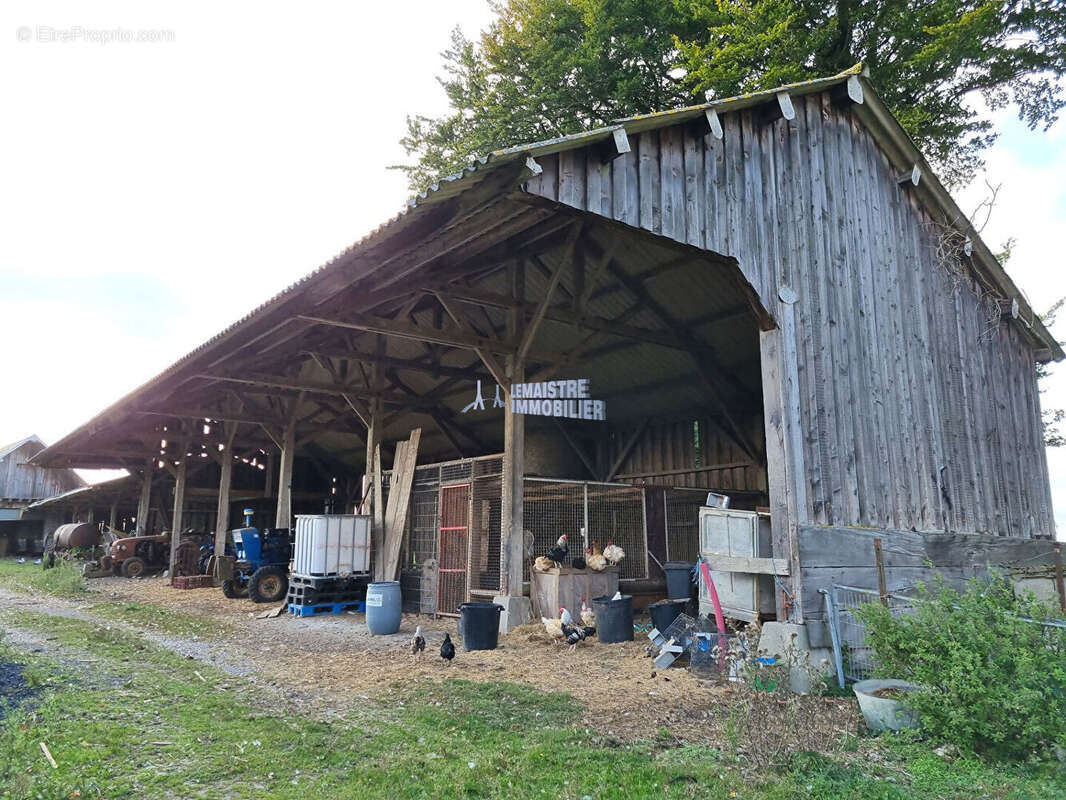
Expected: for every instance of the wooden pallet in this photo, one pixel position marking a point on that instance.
(326, 608)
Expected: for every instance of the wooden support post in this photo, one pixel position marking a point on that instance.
(268, 476)
(144, 505)
(780, 474)
(283, 516)
(373, 460)
(112, 521)
(514, 445)
(1059, 585)
(514, 442)
(222, 516)
(225, 460)
(882, 584)
(179, 512)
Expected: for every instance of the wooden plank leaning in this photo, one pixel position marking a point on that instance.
(399, 503)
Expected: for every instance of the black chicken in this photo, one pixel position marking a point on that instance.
(576, 634)
(447, 649)
(559, 552)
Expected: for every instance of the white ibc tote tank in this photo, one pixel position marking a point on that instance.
(331, 545)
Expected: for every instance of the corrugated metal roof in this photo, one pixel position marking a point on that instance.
(882, 125)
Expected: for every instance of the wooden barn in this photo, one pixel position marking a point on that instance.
(773, 297)
(21, 484)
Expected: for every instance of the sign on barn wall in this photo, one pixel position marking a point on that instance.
(565, 399)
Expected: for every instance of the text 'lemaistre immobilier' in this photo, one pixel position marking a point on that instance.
(568, 399)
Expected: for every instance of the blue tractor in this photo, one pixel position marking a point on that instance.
(262, 568)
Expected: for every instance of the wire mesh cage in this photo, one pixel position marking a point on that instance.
(607, 512)
(682, 515)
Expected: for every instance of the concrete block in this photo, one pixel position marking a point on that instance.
(516, 611)
(789, 642)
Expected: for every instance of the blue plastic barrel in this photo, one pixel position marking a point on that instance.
(384, 608)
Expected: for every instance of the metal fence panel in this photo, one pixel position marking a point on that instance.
(681, 508)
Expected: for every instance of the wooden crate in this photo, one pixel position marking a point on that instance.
(565, 586)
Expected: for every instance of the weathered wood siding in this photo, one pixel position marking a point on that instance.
(845, 556)
(666, 454)
(22, 481)
(913, 412)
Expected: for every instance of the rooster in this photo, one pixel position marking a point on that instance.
(613, 553)
(565, 616)
(588, 616)
(553, 627)
(418, 642)
(559, 552)
(577, 634)
(596, 560)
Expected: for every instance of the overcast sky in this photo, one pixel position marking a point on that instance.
(153, 192)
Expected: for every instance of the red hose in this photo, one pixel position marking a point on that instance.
(719, 618)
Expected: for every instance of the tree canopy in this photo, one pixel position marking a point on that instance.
(545, 68)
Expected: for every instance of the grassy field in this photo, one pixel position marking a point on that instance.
(140, 722)
(63, 580)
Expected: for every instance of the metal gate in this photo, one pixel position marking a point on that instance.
(454, 547)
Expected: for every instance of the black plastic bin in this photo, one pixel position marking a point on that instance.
(614, 618)
(479, 625)
(665, 611)
(679, 584)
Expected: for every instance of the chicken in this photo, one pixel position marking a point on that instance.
(565, 616)
(560, 551)
(617, 595)
(447, 649)
(543, 564)
(613, 553)
(554, 627)
(577, 634)
(595, 560)
(588, 616)
(418, 642)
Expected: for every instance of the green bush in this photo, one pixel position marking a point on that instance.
(991, 682)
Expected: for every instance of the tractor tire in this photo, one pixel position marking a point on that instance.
(134, 567)
(231, 589)
(268, 585)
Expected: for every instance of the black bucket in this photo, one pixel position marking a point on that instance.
(614, 618)
(665, 611)
(679, 584)
(479, 625)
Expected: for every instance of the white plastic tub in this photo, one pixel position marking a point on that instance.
(330, 545)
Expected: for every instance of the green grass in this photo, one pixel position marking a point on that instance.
(62, 580)
(143, 724)
(160, 619)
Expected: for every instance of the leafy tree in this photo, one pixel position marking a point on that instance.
(549, 67)
(545, 68)
(1052, 417)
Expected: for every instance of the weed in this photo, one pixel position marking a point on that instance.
(62, 580)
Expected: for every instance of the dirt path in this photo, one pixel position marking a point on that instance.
(331, 661)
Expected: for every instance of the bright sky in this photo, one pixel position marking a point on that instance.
(153, 192)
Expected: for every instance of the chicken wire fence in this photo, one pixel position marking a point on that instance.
(589, 513)
(682, 519)
(452, 548)
(852, 654)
